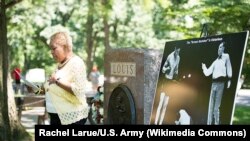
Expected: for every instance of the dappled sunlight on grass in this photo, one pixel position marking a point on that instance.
(241, 115)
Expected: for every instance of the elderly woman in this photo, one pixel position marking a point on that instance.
(65, 96)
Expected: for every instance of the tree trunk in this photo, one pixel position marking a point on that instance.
(5, 129)
(106, 25)
(26, 61)
(90, 40)
(10, 127)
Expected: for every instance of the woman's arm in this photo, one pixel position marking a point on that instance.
(61, 83)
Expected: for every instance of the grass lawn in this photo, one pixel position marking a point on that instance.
(241, 115)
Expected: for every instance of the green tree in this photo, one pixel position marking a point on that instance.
(10, 127)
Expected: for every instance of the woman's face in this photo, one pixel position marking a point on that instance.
(58, 50)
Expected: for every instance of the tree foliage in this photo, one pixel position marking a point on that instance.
(135, 23)
(183, 19)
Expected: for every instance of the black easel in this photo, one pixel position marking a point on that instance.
(204, 30)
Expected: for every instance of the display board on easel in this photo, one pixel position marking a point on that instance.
(198, 79)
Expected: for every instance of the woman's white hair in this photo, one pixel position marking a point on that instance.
(63, 39)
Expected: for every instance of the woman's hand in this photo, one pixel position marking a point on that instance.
(52, 79)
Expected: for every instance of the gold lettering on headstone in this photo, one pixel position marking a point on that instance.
(123, 69)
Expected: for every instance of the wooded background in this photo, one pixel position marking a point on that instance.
(98, 24)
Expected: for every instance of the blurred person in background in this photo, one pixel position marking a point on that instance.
(17, 78)
(94, 78)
